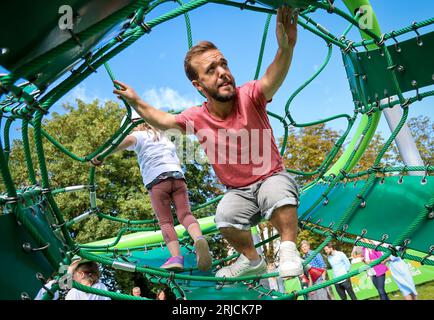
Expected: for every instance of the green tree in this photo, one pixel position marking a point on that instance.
(371, 153)
(307, 148)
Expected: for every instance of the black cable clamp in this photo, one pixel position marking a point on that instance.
(376, 168)
(331, 8)
(361, 236)
(253, 285)
(41, 278)
(89, 65)
(37, 107)
(57, 226)
(431, 249)
(430, 211)
(27, 247)
(171, 277)
(244, 5)
(332, 233)
(397, 47)
(145, 27)
(406, 103)
(383, 171)
(404, 247)
(383, 239)
(415, 86)
(344, 173)
(393, 250)
(266, 294)
(326, 199)
(349, 47)
(363, 203)
(45, 190)
(381, 42)
(220, 285)
(25, 296)
(424, 181)
(75, 37)
(418, 40)
(344, 229)
(401, 177)
(11, 200)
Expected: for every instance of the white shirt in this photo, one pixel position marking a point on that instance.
(75, 294)
(42, 291)
(339, 263)
(154, 157)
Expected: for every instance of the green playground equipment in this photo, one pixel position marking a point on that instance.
(393, 205)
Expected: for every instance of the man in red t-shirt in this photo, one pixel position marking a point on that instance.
(233, 128)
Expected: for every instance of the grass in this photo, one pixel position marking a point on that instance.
(425, 292)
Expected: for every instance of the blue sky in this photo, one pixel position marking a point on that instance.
(154, 64)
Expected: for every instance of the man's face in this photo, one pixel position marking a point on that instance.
(305, 248)
(214, 76)
(328, 250)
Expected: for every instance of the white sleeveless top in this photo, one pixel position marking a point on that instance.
(154, 157)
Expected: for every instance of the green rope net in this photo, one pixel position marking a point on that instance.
(39, 239)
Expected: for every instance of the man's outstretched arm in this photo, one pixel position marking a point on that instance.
(155, 117)
(286, 33)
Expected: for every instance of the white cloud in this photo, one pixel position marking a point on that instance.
(81, 92)
(168, 98)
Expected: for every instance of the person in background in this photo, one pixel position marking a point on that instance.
(319, 263)
(378, 272)
(340, 265)
(161, 295)
(137, 292)
(48, 286)
(402, 276)
(86, 273)
(357, 254)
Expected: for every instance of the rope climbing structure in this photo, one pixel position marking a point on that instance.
(392, 205)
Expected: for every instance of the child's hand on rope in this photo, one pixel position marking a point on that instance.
(96, 162)
(126, 92)
(286, 27)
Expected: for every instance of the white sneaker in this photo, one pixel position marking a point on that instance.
(241, 268)
(290, 263)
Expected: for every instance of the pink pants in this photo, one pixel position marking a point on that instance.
(162, 194)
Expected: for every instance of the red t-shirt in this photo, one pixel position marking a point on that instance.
(240, 148)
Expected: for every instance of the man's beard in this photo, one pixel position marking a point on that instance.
(219, 97)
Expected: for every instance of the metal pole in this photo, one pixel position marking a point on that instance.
(404, 140)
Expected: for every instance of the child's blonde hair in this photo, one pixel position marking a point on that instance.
(147, 127)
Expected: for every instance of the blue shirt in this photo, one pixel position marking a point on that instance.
(317, 261)
(339, 263)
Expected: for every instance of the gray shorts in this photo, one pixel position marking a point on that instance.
(244, 207)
